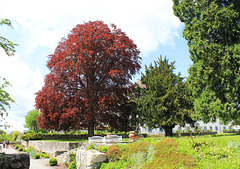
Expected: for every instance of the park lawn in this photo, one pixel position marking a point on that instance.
(183, 152)
(212, 151)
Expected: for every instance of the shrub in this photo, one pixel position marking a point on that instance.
(53, 162)
(113, 153)
(31, 152)
(36, 156)
(197, 130)
(91, 146)
(102, 149)
(20, 149)
(66, 164)
(72, 165)
(31, 136)
(16, 147)
(72, 157)
(46, 156)
(25, 150)
(42, 154)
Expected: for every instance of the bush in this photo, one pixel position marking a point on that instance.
(25, 150)
(102, 149)
(31, 136)
(16, 147)
(113, 153)
(20, 149)
(46, 156)
(31, 152)
(42, 154)
(53, 162)
(36, 156)
(91, 146)
(66, 164)
(72, 157)
(72, 165)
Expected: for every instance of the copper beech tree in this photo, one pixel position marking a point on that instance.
(90, 75)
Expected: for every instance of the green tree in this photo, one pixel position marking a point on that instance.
(15, 134)
(31, 120)
(5, 98)
(212, 30)
(163, 99)
(6, 44)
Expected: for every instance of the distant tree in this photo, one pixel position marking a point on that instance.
(164, 98)
(90, 75)
(15, 134)
(212, 29)
(31, 120)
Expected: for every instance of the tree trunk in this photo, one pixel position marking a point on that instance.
(168, 131)
(91, 129)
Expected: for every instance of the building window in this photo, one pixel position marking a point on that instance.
(224, 128)
(149, 130)
(216, 128)
(161, 129)
(205, 128)
(210, 127)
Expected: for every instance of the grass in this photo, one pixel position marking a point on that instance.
(219, 151)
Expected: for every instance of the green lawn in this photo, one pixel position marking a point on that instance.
(184, 152)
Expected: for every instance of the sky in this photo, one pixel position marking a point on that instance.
(38, 27)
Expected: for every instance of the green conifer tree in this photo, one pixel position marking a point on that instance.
(212, 29)
(164, 99)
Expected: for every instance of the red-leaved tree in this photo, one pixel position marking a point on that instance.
(90, 75)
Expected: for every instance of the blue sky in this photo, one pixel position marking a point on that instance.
(38, 26)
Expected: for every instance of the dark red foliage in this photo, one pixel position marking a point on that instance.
(90, 74)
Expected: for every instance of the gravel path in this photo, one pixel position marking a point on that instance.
(34, 163)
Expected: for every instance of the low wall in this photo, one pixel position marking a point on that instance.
(52, 147)
(14, 161)
(25, 143)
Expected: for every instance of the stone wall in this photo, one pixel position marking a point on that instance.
(52, 147)
(25, 143)
(14, 161)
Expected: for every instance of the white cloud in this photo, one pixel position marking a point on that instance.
(43, 23)
(25, 83)
(148, 23)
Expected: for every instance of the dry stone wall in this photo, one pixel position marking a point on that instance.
(53, 148)
(14, 161)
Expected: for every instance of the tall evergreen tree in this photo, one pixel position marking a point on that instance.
(212, 30)
(163, 101)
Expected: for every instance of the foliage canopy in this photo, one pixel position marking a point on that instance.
(165, 100)
(31, 120)
(212, 29)
(90, 75)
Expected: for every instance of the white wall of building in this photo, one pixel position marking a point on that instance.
(215, 127)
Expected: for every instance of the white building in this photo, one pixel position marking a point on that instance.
(215, 127)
